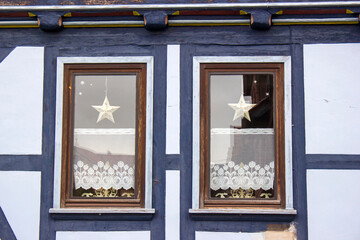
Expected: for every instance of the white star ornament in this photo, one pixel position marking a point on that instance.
(106, 111)
(241, 108)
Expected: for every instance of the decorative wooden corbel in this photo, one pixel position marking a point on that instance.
(50, 21)
(155, 20)
(260, 19)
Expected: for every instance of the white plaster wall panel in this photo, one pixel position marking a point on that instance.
(229, 236)
(333, 204)
(173, 100)
(131, 235)
(172, 205)
(20, 201)
(332, 99)
(21, 101)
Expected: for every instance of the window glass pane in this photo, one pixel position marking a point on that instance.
(104, 139)
(242, 142)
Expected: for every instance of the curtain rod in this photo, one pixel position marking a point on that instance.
(207, 6)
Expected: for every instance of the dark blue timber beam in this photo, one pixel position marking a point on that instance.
(6, 232)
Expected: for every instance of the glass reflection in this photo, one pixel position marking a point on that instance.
(104, 140)
(242, 139)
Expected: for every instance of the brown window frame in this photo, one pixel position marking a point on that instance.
(70, 70)
(279, 127)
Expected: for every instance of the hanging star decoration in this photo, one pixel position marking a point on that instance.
(106, 111)
(241, 108)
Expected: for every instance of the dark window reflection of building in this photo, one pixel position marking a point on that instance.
(260, 88)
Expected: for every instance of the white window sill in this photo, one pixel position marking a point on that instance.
(102, 211)
(244, 211)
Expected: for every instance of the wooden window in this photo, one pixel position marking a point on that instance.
(103, 143)
(242, 152)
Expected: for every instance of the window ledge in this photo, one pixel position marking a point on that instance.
(284, 215)
(102, 210)
(103, 213)
(244, 211)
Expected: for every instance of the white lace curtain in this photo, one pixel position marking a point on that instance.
(104, 158)
(247, 162)
(245, 176)
(104, 175)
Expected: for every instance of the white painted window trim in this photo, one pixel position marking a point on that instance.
(101, 210)
(149, 60)
(196, 119)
